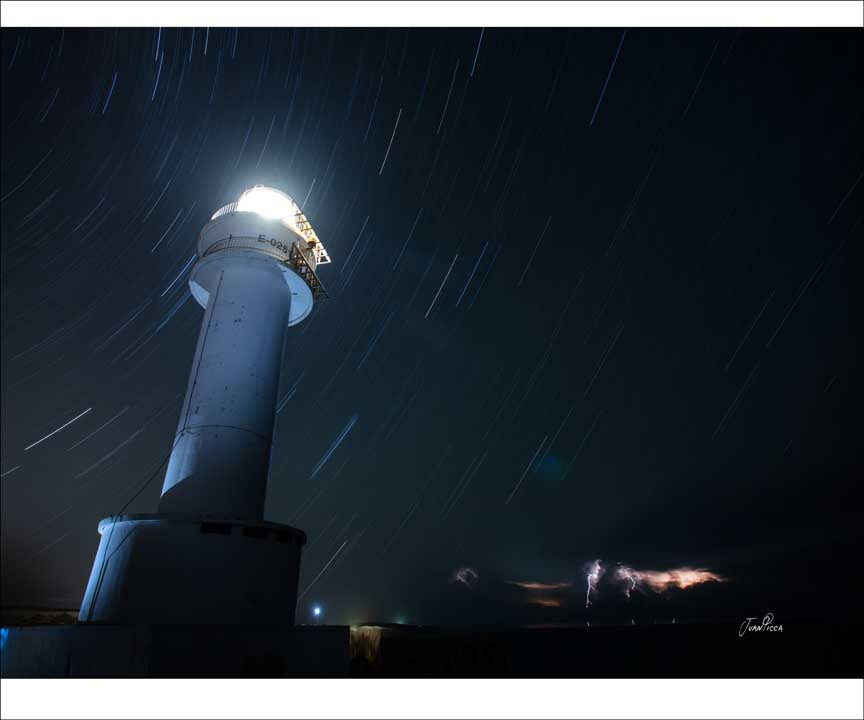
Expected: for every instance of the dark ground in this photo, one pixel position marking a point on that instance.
(650, 651)
(661, 650)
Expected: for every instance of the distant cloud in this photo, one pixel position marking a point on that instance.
(539, 585)
(467, 576)
(545, 602)
(661, 581)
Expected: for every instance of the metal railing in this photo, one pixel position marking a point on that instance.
(303, 227)
(262, 244)
(224, 210)
(301, 266)
(299, 224)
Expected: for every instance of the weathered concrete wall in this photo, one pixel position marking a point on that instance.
(175, 651)
(75, 651)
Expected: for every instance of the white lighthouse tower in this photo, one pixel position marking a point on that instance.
(208, 556)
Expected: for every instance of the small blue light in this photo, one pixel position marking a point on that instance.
(316, 611)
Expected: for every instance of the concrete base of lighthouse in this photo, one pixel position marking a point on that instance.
(171, 569)
(179, 596)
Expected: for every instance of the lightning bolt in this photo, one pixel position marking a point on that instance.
(628, 575)
(593, 577)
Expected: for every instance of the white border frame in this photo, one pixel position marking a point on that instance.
(435, 13)
(379, 698)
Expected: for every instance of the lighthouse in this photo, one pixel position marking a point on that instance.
(207, 556)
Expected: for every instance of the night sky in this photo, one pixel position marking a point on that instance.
(595, 294)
